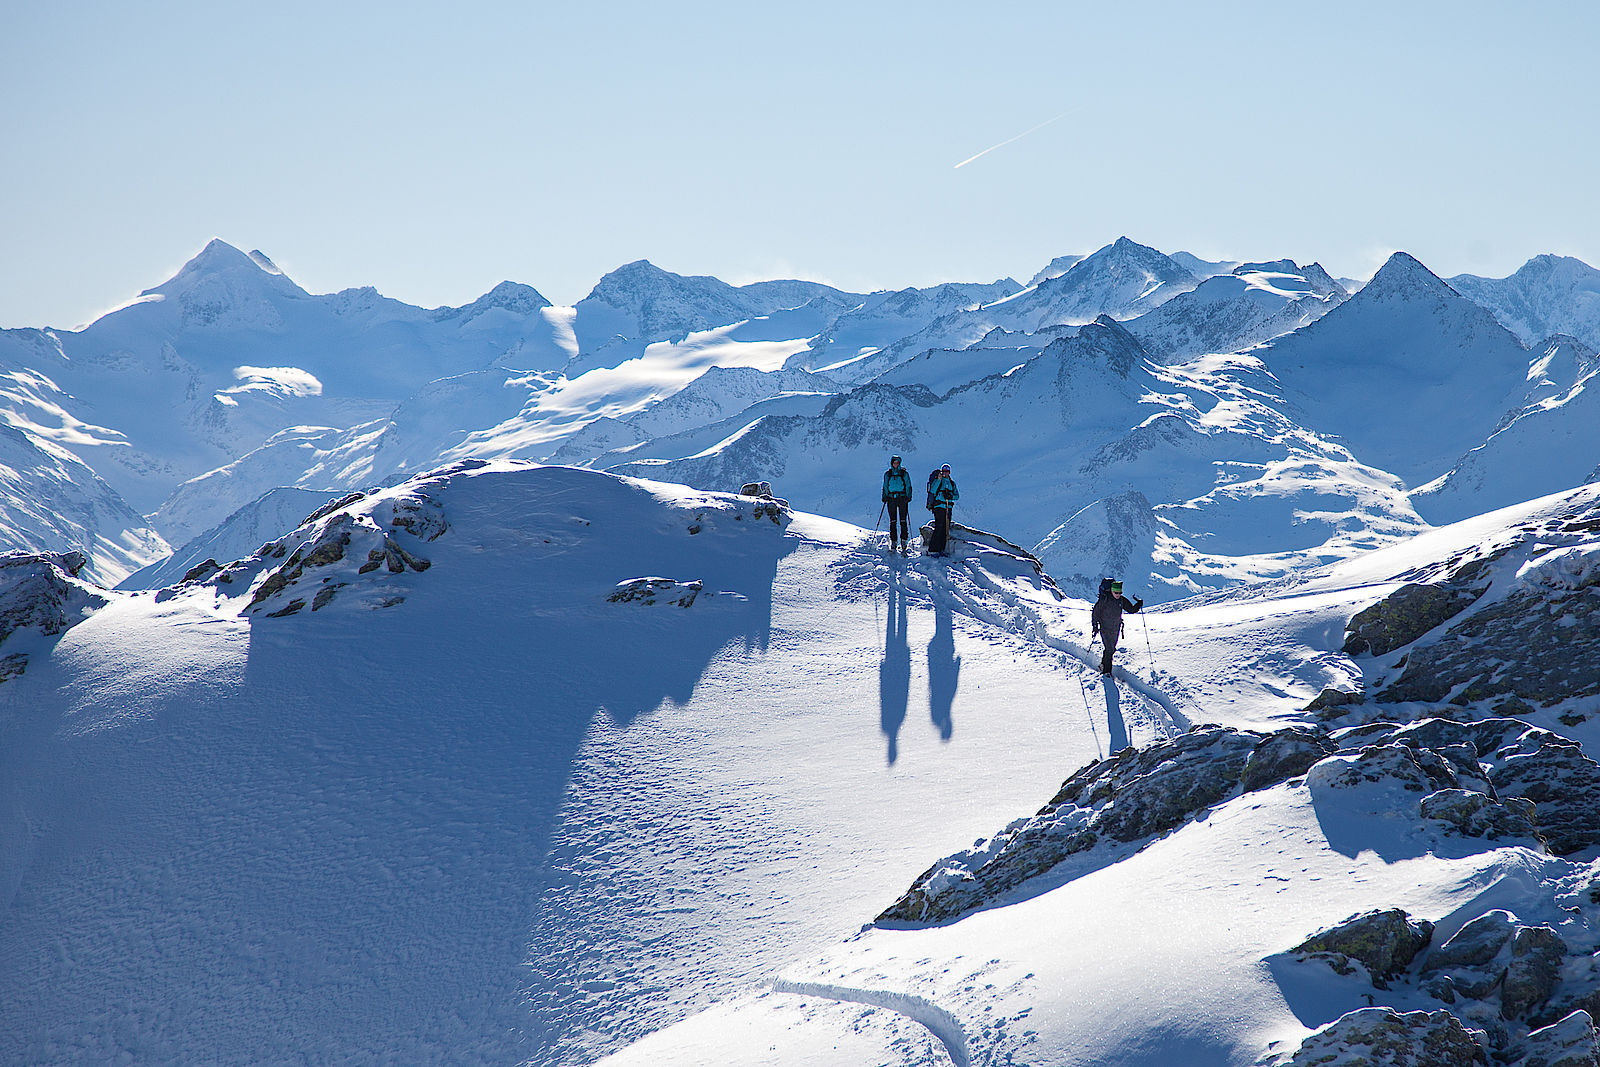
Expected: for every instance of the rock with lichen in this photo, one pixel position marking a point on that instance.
(1383, 1037)
(1384, 942)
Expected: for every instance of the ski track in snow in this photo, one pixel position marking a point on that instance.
(940, 1023)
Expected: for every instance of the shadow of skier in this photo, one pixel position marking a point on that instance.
(1114, 721)
(894, 673)
(944, 671)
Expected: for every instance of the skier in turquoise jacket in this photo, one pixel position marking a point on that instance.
(943, 493)
(897, 498)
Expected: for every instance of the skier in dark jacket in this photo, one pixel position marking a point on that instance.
(942, 494)
(897, 498)
(1106, 618)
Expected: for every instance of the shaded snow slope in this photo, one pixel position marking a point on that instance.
(1232, 312)
(1551, 443)
(1407, 373)
(49, 498)
(428, 780)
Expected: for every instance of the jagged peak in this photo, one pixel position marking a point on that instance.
(1127, 250)
(627, 284)
(1322, 281)
(514, 297)
(1543, 266)
(1403, 275)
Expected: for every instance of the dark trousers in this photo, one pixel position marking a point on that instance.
(898, 512)
(1110, 640)
(941, 530)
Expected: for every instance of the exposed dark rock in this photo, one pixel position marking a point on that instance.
(1282, 756)
(420, 517)
(331, 506)
(1570, 1042)
(1384, 942)
(1518, 760)
(1403, 616)
(288, 609)
(1474, 814)
(1531, 973)
(1563, 783)
(1474, 945)
(328, 545)
(13, 665)
(1134, 795)
(1381, 1036)
(41, 591)
(1333, 700)
(201, 571)
(1388, 763)
(650, 591)
(1529, 645)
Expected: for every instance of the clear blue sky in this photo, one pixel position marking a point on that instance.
(433, 151)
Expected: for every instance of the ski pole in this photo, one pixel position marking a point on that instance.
(1148, 651)
(881, 508)
(1088, 713)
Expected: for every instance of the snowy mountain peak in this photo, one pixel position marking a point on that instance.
(219, 257)
(1108, 340)
(515, 297)
(628, 285)
(1125, 257)
(1403, 277)
(220, 285)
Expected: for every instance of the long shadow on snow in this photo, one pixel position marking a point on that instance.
(944, 670)
(894, 673)
(1114, 722)
(349, 850)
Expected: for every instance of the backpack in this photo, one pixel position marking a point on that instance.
(931, 479)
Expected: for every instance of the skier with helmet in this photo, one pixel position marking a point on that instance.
(1106, 618)
(897, 498)
(942, 497)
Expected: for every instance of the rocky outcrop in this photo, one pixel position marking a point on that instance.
(41, 591)
(1521, 987)
(1497, 780)
(1403, 616)
(1532, 971)
(1513, 627)
(336, 550)
(1571, 1042)
(1384, 942)
(1382, 1036)
(1508, 763)
(1131, 797)
(652, 591)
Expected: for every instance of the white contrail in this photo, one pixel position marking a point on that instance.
(1002, 144)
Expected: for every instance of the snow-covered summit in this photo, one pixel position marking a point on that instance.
(640, 302)
(1409, 373)
(1124, 279)
(513, 297)
(1547, 295)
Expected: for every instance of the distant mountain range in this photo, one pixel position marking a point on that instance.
(1264, 414)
